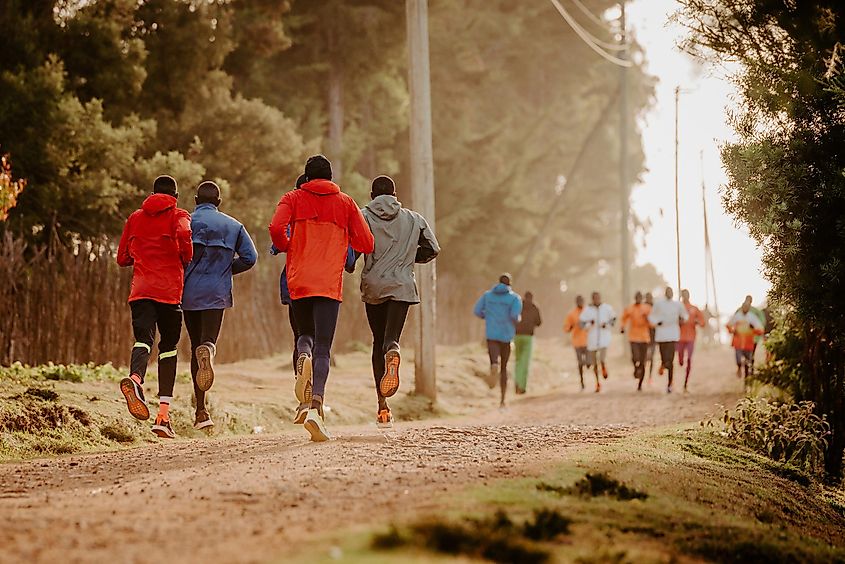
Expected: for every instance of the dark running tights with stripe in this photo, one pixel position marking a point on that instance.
(147, 316)
(203, 327)
(500, 353)
(316, 320)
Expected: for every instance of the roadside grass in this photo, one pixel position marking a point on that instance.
(659, 496)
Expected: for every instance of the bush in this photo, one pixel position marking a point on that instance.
(785, 432)
(76, 373)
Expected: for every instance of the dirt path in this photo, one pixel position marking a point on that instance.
(249, 498)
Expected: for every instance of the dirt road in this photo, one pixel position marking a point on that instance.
(250, 499)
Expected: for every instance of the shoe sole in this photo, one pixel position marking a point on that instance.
(163, 432)
(304, 369)
(137, 408)
(205, 372)
(203, 425)
(388, 425)
(317, 435)
(389, 384)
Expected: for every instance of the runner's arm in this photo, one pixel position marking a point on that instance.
(183, 237)
(360, 237)
(123, 256)
(478, 310)
(279, 225)
(247, 255)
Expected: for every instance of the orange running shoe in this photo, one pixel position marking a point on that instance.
(384, 420)
(389, 384)
(604, 371)
(598, 387)
(134, 395)
(660, 370)
(163, 429)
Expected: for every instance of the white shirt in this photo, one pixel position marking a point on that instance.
(598, 321)
(739, 319)
(666, 316)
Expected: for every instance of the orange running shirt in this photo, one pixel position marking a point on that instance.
(572, 325)
(688, 328)
(635, 321)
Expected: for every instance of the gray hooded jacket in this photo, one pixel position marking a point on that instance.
(402, 238)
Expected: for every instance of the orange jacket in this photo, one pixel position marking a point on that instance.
(744, 327)
(572, 325)
(688, 327)
(324, 222)
(635, 321)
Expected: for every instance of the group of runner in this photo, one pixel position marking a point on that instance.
(183, 266)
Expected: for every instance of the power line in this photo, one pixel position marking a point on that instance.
(603, 25)
(587, 38)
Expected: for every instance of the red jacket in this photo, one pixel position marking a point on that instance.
(324, 222)
(156, 241)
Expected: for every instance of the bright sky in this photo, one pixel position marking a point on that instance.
(704, 98)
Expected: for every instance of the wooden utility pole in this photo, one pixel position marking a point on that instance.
(422, 189)
(677, 206)
(625, 194)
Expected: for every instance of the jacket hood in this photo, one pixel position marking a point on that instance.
(385, 206)
(321, 187)
(158, 203)
(501, 288)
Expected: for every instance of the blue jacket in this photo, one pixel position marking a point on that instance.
(500, 307)
(217, 240)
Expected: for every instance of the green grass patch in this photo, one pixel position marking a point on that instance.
(707, 499)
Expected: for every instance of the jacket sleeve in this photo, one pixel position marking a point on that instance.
(428, 247)
(247, 255)
(569, 324)
(279, 225)
(683, 312)
(183, 237)
(539, 320)
(360, 237)
(699, 318)
(516, 309)
(478, 310)
(351, 259)
(123, 256)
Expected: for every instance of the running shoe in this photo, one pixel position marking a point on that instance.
(384, 420)
(604, 371)
(301, 412)
(389, 384)
(598, 387)
(205, 372)
(134, 394)
(668, 389)
(203, 420)
(660, 370)
(316, 427)
(163, 429)
(304, 372)
(493, 377)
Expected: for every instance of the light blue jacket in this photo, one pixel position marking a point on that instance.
(222, 248)
(500, 307)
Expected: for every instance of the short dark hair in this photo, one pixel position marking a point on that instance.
(301, 180)
(318, 166)
(505, 279)
(383, 186)
(208, 193)
(165, 184)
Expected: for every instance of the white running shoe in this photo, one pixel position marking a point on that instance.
(304, 372)
(314, 424)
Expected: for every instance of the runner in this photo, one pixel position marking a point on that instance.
(579, 335)
(635, 321)
(597, 319)
(761, 317)
(524, 341)
(686, 344)
(222, 248)
(156, 243)
(323, 222)
(667, 316)
(500, 308)
(744, 326)
(649, 300)
(388, 288)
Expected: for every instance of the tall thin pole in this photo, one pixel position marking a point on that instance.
(422, 188)
(624, 191)
(677, 207)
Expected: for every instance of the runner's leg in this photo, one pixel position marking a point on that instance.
(580, 354)
(690, 349)
(193, 324)
(377, 319)
(144, 329)
(505, 353)
(170, 327)
(325, 315)
(295, 331)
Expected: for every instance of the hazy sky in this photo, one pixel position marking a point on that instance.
(703, 127)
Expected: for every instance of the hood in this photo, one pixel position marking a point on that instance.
(158, 203)
(385, 206)
(501, 288)
(321, 187)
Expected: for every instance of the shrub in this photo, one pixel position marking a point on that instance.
(785, 432)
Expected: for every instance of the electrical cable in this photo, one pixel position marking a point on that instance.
(587, 37)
